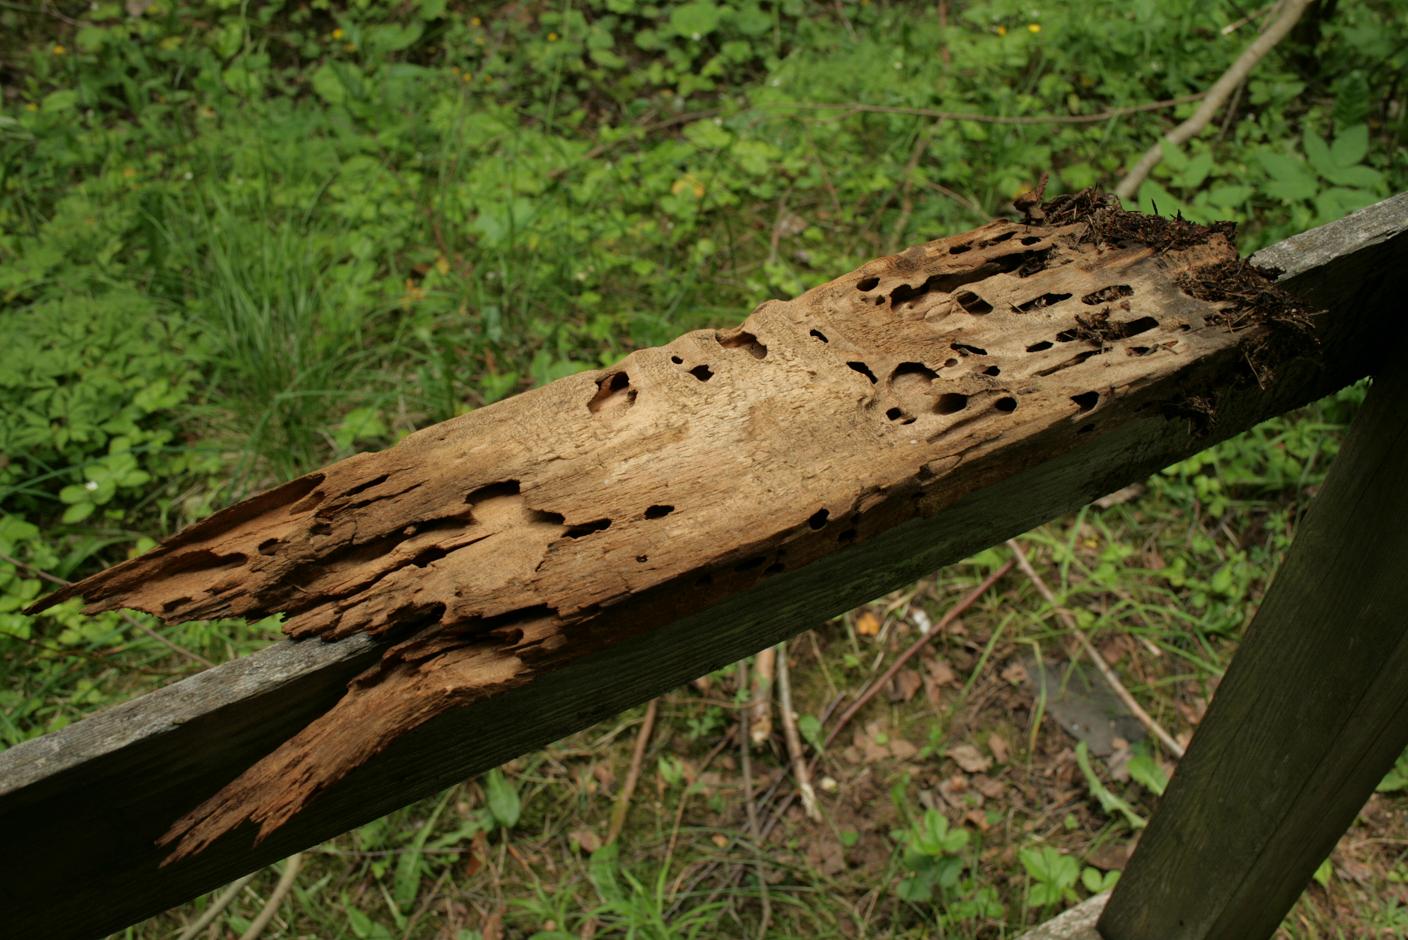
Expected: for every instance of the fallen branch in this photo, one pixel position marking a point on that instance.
(1066, 618)
(1213, 99)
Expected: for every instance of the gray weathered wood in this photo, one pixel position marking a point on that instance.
(1312, 712)
(81, 808)
(1077, 923)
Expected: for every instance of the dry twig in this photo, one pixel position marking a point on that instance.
(1276, 30)
(760, 699)
(281, 890)
(753, 831)
(221, 902)
(1066, 618)
(127, 618)
(794, 740)
(628, 788)
(1035, 119)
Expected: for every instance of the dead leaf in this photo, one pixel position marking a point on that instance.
(867, 624)
(585, 840)
(969, 758)
(941, 673)
(990, 788)
(998, 747)
(1112, 856)
(719, 839)
(977, 819)
(902, 749)
(905, 684)
(1015, 674)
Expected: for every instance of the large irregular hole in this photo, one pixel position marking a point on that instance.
(493, 491)
(1045, 300)
(951, 403)
(1075, 360)
(587, 528)
(1006, 404)
(867, 284)
(967, 349)
(1106, 295)
(1038, 347)
(912, 376)
(972, 303)
(1135, 327)
(658, 511)
(365, 485)
(995, 240)
(742, 339)
(948, 283)
(702, 373)
(1031, 239)
(960, 249)
(818, 519)
(820, 335)
(613, 390)
(268, 546)
(1086, 400)
(992, 370)
(864, 370)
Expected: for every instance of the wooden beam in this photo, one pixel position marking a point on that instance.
(1311, 715)
(83, 808)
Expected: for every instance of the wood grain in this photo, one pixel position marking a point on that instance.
(742, 559)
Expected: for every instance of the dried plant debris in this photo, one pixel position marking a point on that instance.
(1245, 294)
(488, 551)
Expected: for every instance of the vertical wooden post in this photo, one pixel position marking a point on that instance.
(1311, 714)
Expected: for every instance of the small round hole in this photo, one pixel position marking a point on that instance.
(1006, 404)
(867, 284)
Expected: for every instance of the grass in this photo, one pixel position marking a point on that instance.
(238, 241)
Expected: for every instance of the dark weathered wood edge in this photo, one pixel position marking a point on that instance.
(82, 806)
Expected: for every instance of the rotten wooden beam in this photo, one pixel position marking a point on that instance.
(496, 582)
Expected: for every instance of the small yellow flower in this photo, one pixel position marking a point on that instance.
(413, 293)
(475, 21)
(1033, 27)
(442, 264)
(338, 33)
(129, 171)
(31, 106)
(467, 77)
(58, 49)
(552, 37)
(1002, 30)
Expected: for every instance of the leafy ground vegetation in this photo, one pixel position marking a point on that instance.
(240, 240)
